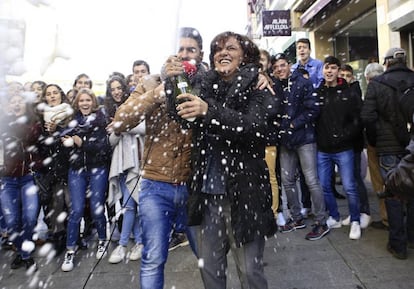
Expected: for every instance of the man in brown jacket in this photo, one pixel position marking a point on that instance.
(166, 162)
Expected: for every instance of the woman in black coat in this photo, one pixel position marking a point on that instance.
(230, 193)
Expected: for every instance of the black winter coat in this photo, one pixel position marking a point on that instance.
(18, 137)
(237, 115)
(338, 126)
(400, 180)
(54, 154)
(385, 126)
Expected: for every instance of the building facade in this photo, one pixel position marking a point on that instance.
(355, 31)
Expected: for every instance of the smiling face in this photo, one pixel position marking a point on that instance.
(53, 96)
(17, 105)
(116, 91)
(330, 74)
(85, 103)
(281, 69)
(228, 56)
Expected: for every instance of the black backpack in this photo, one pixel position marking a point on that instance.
(404, 107)
(405, 92)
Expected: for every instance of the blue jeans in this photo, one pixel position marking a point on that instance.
(400, 230)
(161, 206)
(345, 162)
(20, 207)
(305, 157)
(79, 181)
(130, 221)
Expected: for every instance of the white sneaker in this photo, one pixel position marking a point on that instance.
(333, 224)
(280, 219)
(102, 250)
(364, 220)
(355, 232)
(117, 255)
(67, 264)
(136, 252)
(347, 221)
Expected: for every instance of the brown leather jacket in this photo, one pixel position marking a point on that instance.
(167, 145)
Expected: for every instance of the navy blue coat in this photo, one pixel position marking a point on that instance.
(95, 150)
(298, 107)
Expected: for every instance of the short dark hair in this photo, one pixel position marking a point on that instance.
(190, 32)
(303, 71)
(332, 60)
(278, 57)
(251, 53)
(141, 62)
(347, 67)
(304, 40)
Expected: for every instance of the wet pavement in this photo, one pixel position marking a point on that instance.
(291, 263)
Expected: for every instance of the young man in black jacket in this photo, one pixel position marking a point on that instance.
(337, 129)
(387, 131)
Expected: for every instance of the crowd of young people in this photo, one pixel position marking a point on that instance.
(253, 112)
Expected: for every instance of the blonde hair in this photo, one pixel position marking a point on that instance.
(89, 92)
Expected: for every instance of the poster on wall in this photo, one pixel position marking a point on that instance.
(276, 23)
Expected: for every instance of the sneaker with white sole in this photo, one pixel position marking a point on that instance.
(117, 255)
(178, 240)
(355, 231)
(136, 252)
(318, 232)
(292, 225)
(102, 250)
(364, 220)
(346, 221)
(67, 264)
(333, 224)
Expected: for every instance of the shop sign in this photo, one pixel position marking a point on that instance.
(276, 23)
